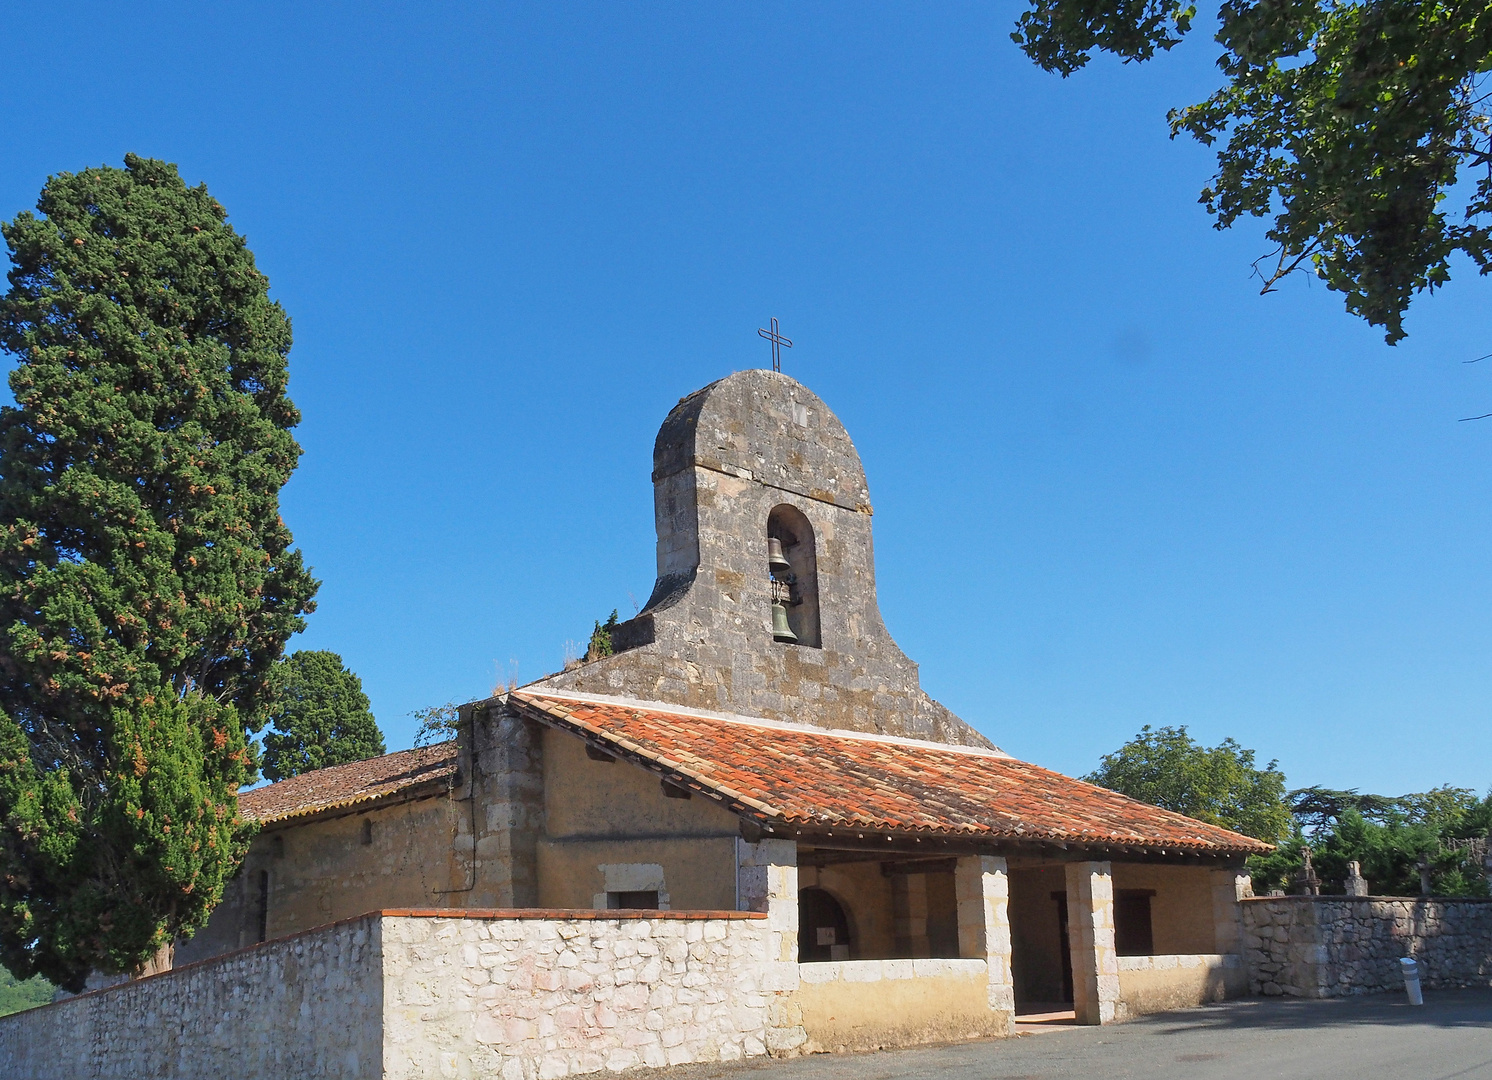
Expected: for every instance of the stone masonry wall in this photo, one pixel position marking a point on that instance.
(1333, 946)
(308, 1005)
(538, 998)
(726, 456)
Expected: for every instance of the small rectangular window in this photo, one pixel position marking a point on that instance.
(367, 830)
(641, 900)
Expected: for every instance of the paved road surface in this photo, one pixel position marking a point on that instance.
(1373, 1038)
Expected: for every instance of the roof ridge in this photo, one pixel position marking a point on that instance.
(759, 721)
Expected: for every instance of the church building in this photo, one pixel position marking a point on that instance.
(753, 779)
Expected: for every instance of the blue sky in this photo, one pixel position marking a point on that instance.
(1113, 485)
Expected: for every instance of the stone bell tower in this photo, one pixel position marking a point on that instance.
(765, 603)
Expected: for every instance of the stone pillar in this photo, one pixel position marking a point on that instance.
(1229, 887)
(983, 890)
(767, 881)
(498, 812)
(1090, 935)
(909, 914)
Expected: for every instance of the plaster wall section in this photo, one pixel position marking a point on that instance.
(601, 816)
(1338, 946)
(335, 868)
(877, 1004)
(310, 1005)
(725, 457)
(691, 874)
(1152, 984)
(1182, 916)
(590, 800)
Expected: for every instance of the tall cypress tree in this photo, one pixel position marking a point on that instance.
(147, 581)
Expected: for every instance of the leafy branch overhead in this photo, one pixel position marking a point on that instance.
(1348, 123)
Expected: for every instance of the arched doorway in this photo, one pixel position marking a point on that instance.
(823, 928)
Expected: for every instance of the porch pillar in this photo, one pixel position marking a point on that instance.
(1090, 935)
(982, 886)
(1229, 887)
(767, 881)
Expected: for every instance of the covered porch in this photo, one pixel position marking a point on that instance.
(896, 945)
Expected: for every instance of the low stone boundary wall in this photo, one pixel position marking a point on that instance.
(1152, 984)
(575, 992)
(1333, 946)
(308, 1005)
(399, 995)
(871, 1004)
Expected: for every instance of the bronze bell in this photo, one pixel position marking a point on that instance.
(781, 631)
(776, 561)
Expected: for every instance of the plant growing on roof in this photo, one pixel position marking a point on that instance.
(319, 716)
(601, 644)
(438, 724)
(147, 581)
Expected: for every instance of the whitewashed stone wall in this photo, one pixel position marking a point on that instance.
(1333, 946)
(535, 999)
(309, 1005)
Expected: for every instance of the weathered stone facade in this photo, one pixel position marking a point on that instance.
(1334, 946)
(726, 458)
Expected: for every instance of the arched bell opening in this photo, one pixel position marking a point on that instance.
(823, 927)
(792, 565)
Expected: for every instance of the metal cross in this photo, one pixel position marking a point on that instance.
(778, 341)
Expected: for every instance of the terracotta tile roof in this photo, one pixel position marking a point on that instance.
(348, 785)
(818, 779)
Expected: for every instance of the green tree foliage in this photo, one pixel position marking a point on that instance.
(1166, 767)
(319, 715)
(147, 582)
(1348, 122)
(16, 995)
(1387, 836)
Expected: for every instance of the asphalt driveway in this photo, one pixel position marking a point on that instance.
(1370, 1038)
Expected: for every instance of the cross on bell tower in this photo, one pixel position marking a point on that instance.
(778, 341)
